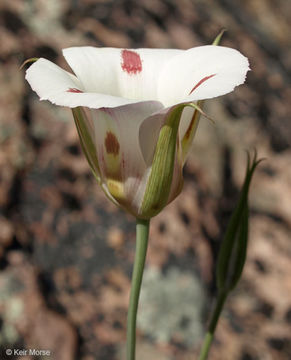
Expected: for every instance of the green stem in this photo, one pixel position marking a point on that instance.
(142, 234)
(212, 326)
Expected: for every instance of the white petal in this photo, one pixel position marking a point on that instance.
(149, 133)
(127, 73)
(201, 73)
(121, 161)
(52, 83)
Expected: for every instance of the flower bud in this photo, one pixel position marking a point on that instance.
(232, 254)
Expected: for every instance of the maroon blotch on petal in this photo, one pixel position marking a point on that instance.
(201, 82)
(74, 90)
(111, 144)
(131, 62)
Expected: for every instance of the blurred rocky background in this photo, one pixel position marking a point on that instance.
(66, 253)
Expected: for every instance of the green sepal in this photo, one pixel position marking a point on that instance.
(218, 37)
(232, 254)
(27, 61)
(160, 179)
(87, 144)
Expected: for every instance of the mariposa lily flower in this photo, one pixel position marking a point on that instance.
(135, 113)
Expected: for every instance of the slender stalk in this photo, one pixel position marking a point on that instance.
(212, 326)
(142, 234)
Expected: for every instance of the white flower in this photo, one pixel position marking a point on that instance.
(133, 112)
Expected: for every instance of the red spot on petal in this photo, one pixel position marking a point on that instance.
(201, 82)
(111, 144)
(74, 90)
(131, 62)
